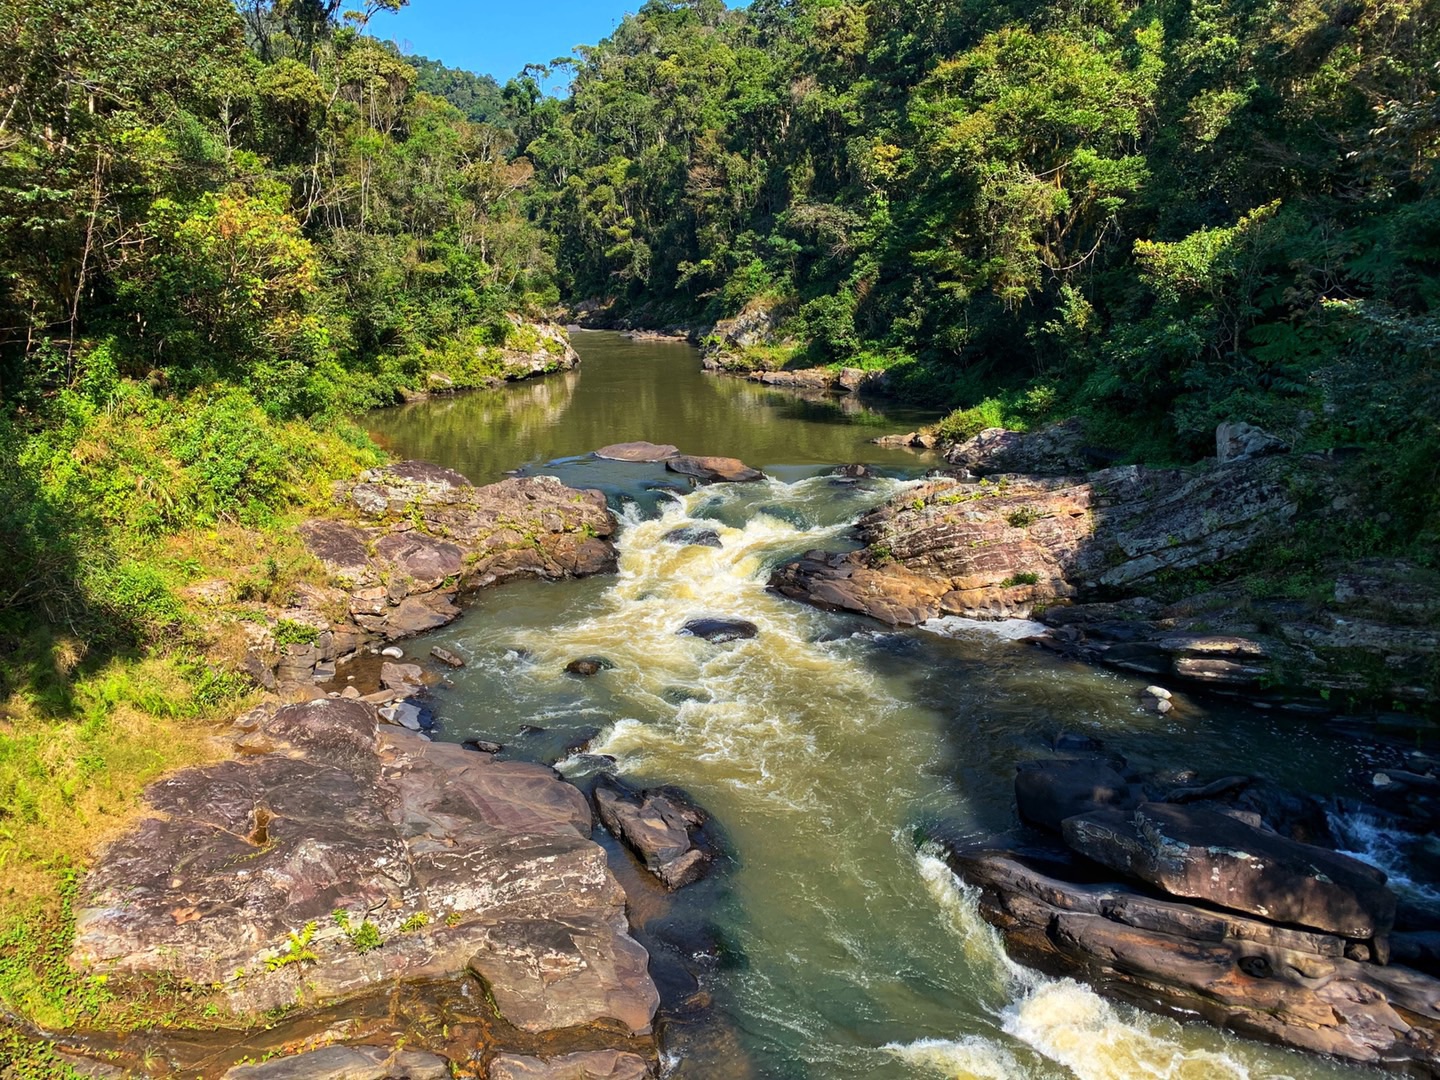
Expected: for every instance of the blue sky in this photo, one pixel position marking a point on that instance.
(499, 38)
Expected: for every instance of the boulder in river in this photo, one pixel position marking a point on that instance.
(659, 826)
(714, 470)
(693, 536)
(1195, 852)
(588, 666)
(718, 631)
(638, 451)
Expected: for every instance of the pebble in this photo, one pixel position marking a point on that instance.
(1159, 692)
(392, 652)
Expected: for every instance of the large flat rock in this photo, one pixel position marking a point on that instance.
(347, 1063)
(1193, 852)
(596, 1065)
(461, 862)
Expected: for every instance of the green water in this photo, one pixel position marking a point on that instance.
(829, 945)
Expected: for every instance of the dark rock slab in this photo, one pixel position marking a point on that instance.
(637, 451)
(425, 559)
(1275, 983)
(1048, 792)
(718, 631)
(347, 1063)
(693, 536)
(714, 470)
(446, 657)
(1198, 853)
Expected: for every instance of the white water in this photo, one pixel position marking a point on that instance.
(821, 755)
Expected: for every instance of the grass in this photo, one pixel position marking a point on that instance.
(146, 532)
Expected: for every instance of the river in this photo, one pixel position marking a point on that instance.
(831, 944)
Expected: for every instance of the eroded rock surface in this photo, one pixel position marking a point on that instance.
(347, 1063)
(602, 1065)
(459, 861)
(661, 827)
(425, 537)
(1252, 976)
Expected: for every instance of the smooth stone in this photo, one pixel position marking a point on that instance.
(1159, 692)
(401, 676)
(402, 714)
(1201, 854)
(483, 746)
(392, 652)
(714, 470)
(637, 451)
(719, 631)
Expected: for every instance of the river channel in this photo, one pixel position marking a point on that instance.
(831, 943)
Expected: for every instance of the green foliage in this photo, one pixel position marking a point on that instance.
(1025, 578)
(287, 632)
(363, 938)
(295, 951)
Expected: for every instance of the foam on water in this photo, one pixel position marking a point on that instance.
(1004, 629)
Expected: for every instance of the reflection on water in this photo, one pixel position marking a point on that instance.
(824, 747)
(626, 390)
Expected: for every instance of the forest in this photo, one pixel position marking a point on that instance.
(226, 229)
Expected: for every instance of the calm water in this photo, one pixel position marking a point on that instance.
(831, 943)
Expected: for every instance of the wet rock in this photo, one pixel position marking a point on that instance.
(719, 631)
(1048, 792)
(588, 666)
(347, 1063)
(714, 470)
(659, 826)
(446, 657)
(913, 440)
(637, 451)
(1197, 853)
(1072, 742)
(854, 472)
(350, 815)
(1242, 442)
(693, 536)
(1276, 983)
(406, 678)
(483, 746)
(1058, 450)
(595, 1065)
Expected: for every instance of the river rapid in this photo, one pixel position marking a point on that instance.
(831, 943)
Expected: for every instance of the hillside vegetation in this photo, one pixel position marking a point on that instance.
(1159, 215)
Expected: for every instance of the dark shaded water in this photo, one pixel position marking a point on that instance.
(832, 946)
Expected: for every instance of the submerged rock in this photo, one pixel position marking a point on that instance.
(718, 631)
(588, 666)
(714, 470)
(1048, 792)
